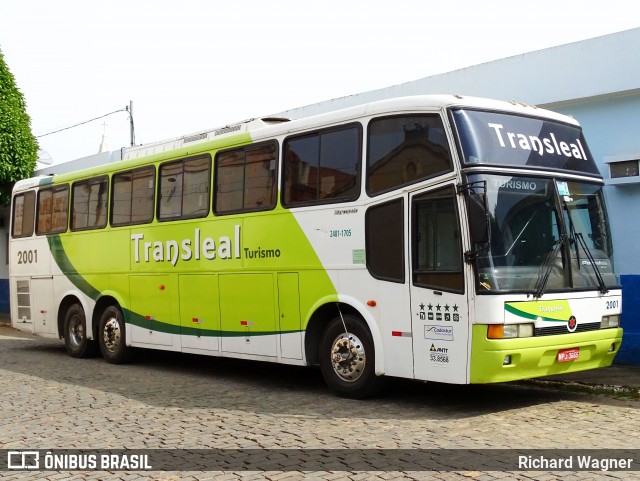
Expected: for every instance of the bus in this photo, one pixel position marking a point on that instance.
(438, 238)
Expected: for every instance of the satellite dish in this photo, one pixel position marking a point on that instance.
(44, 157)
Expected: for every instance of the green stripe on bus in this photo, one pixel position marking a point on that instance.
(164, 327)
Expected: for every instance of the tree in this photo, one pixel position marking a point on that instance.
(18, 146)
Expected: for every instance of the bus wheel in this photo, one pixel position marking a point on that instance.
(111, 336)
(75, 333)
(347, 358)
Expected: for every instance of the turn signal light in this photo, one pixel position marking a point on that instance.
(495, 331)
(509, 331)
(610, 321)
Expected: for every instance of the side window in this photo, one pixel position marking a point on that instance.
(184, 188)
(24, 207)
(437, 250)
(133, 196)
(89, 204)
(405, 150)
(246, 179)
(53, 204)
(322, 167)
(384, 241)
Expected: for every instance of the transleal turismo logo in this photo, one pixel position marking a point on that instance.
(196, 247)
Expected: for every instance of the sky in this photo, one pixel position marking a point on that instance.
(192, 65)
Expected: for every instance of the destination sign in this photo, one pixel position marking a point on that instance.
(515, 140)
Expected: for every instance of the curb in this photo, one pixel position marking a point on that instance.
(575, 386)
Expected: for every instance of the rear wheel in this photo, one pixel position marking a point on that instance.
(75, 333)
(112, 336)
(347, 358)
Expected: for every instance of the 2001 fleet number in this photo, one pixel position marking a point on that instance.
(613, 304)
(27, 257)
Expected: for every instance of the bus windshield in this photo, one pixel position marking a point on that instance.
(545, 235)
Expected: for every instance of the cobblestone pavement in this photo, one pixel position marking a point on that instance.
(164, 400)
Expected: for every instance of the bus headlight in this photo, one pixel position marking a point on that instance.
(610, 321)
(509, 331)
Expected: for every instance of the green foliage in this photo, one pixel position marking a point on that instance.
(18, 146)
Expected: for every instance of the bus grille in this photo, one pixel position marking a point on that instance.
(24, 301)
(555, 330)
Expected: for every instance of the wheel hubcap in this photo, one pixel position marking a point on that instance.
(111, 335)
(76, 331)
(348, 357)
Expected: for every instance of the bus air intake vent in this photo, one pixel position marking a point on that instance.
(194, 138)
(555, 330)
(24, 301)
(227, 130)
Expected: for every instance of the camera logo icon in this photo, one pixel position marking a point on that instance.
(23, 460)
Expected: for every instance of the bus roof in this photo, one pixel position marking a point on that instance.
(261, 128)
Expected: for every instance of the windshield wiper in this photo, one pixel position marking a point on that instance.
(578, 240)
(520, 234)
(596, 270)
(547, 265)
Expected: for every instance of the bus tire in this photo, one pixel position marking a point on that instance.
(347, 359)
(75, 333)
(112, 336)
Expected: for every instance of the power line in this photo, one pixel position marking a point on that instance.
(126, 109)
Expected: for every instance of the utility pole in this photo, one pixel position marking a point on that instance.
(133, 138)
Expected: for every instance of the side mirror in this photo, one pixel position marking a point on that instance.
(478, 218)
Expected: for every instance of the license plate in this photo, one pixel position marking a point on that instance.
(567, 355)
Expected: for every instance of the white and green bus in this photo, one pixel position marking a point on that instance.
(437, 238)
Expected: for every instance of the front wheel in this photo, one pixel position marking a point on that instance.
(112, 336)
(75, 333)
(347, 358)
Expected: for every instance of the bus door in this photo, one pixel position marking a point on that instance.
(439, 311)
(386, 260)
(32, 286)
(43, 314)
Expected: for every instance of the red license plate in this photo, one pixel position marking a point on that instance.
(567, 355)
